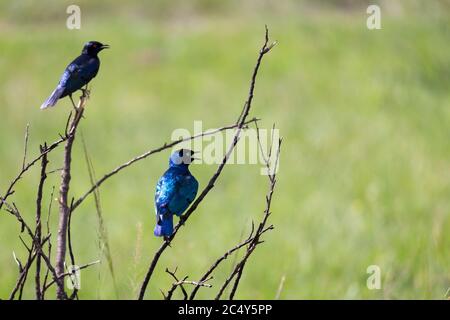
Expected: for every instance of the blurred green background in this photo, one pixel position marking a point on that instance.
(365, 168)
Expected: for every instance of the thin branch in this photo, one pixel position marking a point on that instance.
(146, 154)
(49, 243)
(218, 261)
(238, 278)
(175, 285)
(238, 270)
(239, 125)
(38, 231)
(69, 237)
(22, 277)
(33, 251)
(180, 283)
(36, 247)
(10, 189)
(71, 254)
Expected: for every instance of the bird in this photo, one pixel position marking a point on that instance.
(78, 73)
(175, 191)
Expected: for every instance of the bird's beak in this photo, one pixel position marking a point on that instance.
(105, 46)
(194, 158)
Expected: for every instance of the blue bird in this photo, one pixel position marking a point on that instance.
(175, 191)
(78, 73)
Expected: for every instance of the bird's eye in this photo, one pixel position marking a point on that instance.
(180, 153)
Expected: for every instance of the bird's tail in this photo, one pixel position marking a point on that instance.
(164, 227)
(51, 101)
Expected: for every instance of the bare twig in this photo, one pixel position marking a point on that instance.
(38, 230)
(33, 250)
(175, 285)
(22, 276)
(49, 243)
(239, 125)
(64, 209)
(180, 283)
(218, 261)
(10, 189)
(238, 270)
(146, 154)
(71, 254)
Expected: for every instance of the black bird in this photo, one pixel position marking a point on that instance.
(78, 73)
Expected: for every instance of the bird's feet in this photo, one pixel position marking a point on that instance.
(182, 219)
(85, 92)
(73, 103)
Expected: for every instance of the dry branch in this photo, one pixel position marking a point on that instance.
(148, 153)
(239, 125)
(180, 283)
(10, 189)
(64, 209)
(218, 261)
(262, 228)
(38, 231)
(36, 248)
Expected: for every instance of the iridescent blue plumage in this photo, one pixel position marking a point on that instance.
(175, 191)
(78, 73)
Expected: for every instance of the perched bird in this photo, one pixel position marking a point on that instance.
(175, 191)
(78, 73)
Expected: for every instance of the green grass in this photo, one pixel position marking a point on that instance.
(364, 174)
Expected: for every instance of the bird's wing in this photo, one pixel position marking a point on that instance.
(188, 188)
(71, 73)
(165, 190)
(80, 71)
(184, 194)
(174, 193)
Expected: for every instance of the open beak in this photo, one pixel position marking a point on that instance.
(194, 158)
(105, 46)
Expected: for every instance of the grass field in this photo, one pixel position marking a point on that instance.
(365, 115)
